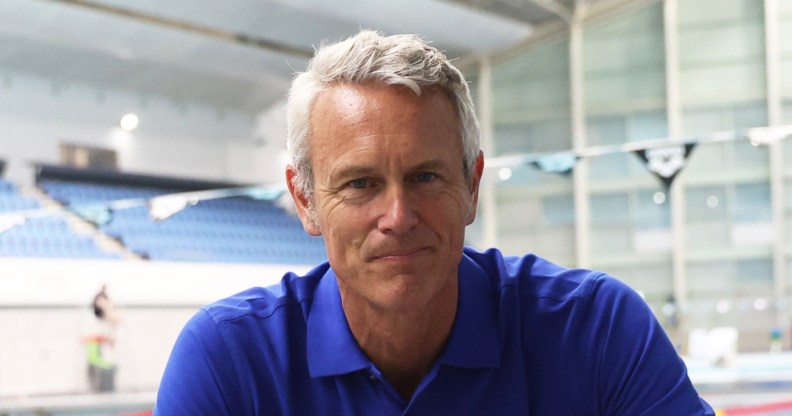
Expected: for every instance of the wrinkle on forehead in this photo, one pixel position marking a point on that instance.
(351, 102)
(351, 120)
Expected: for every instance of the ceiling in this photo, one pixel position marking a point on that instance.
(235, 55)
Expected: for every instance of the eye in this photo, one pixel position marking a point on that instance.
(358, 183)
(425, 177)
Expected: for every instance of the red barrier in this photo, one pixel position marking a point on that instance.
(757, 409)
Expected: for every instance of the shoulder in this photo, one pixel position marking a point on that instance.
(533, 277)
(248, 339)
(263, 303)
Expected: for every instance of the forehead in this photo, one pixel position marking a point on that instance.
(356, 101)
(350, 121)
(381, 107)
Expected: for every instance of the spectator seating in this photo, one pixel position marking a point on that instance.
(43, 236)
(235, 229)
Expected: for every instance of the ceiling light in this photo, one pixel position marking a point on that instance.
(659, 197)
(504, 174)
(761, 304)
(129, 122)
(723, 306)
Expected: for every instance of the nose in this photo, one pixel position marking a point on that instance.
(399, 215)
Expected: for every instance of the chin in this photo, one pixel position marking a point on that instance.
(402, 302)
(411, 288)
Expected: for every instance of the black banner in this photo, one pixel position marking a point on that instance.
(666, 162)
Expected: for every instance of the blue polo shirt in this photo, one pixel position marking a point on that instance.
(529, 338)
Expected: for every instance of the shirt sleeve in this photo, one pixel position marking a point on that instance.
(194, 382)
(639, 371)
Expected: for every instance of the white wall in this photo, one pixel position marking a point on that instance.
(266, 162)
(45, 311)
(173, 139)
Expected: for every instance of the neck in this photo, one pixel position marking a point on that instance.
(405, 343)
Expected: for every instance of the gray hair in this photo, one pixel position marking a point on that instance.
(404, 60)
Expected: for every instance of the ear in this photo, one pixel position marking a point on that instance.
(304, 207)
(475, 181)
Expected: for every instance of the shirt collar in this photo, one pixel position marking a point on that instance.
(332, 349)
(474, 340)
(473, 343)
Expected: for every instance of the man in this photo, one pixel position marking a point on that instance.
(402, 319)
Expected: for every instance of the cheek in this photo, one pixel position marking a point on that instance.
(457, 203)
(446, 217)
(343, 229)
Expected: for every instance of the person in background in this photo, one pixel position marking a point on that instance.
(100, 344)
(402, 318)
(776, 341)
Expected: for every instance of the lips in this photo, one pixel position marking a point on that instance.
(398, 254)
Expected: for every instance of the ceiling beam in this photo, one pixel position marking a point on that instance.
(224, 35)
(556, 8)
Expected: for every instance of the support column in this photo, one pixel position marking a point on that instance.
(488, 197)
(580, 174)
(676, 195)
(776, 150)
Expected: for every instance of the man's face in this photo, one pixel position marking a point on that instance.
(390, 193)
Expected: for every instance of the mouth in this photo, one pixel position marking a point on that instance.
(399, 254)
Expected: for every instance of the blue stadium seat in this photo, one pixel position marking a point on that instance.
(44, 236)
(236, 229)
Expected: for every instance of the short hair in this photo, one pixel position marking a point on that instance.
(370, 57)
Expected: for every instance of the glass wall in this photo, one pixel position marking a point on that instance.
(531, 102)
(536, 214)
(725, 211)
(729, 232)
(624, 79)
(531, 111)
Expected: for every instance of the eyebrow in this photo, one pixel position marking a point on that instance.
(356, 171)
(352, 171)
(433, 164)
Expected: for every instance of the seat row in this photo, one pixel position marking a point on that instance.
(235, 229)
